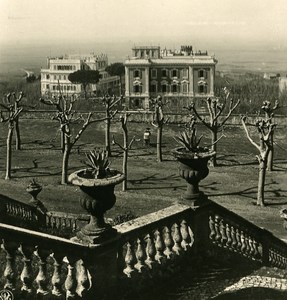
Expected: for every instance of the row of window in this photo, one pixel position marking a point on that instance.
(170, 73)
(173, 88)
(62, 87)
(64, 67)
(164, 88)
(55, 77)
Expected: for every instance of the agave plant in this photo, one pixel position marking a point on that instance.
(98, 163)
(188, 138)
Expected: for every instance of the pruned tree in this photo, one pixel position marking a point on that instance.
(158, 122)
(109, 103)
(85, 77)
(66, 117)
(265, 128)
(215, 123)
(11, 115)
(117, 69)
(269, 115)
(126, 147)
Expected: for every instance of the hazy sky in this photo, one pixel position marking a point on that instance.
(221, 22)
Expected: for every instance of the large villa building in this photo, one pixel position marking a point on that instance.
(177, 75)
(55, 77)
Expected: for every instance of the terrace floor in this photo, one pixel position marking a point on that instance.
(225, 281)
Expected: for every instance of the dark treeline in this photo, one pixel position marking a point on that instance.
(251, 89)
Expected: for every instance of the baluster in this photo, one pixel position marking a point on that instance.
(243, 243)
(186, 240)
(212, 228)
(177, 240)
(83, 279)
(159, 246)
(238, 239)
(26, 274)
(222, 229)
(150, 251)
(129, 260)
(56, 277)
(41, 278)
(248, 249)
(70, 282)
(9, 272)
(257, 253)
(228, 234)
(251, 245)
(140, 255)
(233, 237)
(217, 237)
(74, 225)
(168, 241)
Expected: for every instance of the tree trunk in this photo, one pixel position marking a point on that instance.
(9, 152)
(65, 161)
(125, 169)
(159, 143)
(18, 138)
(213, 161)
(107, 135)
(125, 156)
(271, 153)
(261, 182)
(62, 141)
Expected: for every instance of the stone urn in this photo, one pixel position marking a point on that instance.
(98, 196)
(34, 189)
(193, 167)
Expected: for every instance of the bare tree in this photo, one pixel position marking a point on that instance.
(158, 122)
(126, 147)
(265, 129)
(269, 115)
(109, 103)
(216, 106)
(66, 117)
(12, 114)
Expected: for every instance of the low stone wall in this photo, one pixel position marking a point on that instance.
(141, 116)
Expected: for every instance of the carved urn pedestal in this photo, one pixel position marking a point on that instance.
(193, 167)
(98, 197)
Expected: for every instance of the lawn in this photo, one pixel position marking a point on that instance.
(151, 185)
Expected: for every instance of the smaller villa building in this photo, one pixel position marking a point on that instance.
(55, 77)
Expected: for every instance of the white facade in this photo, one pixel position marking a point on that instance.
(55, 76)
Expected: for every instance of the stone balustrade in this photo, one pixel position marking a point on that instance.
(41, 264)
(18, 213)
(146, 251)
(234, 233)
(153, 245)
(65, 223)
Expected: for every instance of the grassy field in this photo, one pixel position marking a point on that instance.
(151, 185)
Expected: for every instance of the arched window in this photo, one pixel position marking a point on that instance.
(137, 88)
(164, 73)
(164, 87)
(185, 88)
(174, 88)
(137, 73)
(174, 73)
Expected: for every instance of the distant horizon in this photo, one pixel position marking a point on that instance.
(214, 24)
(34, 56)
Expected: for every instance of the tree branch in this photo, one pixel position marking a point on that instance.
(243, 118)
(192, 106)
(230, 112)
(115, 143)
